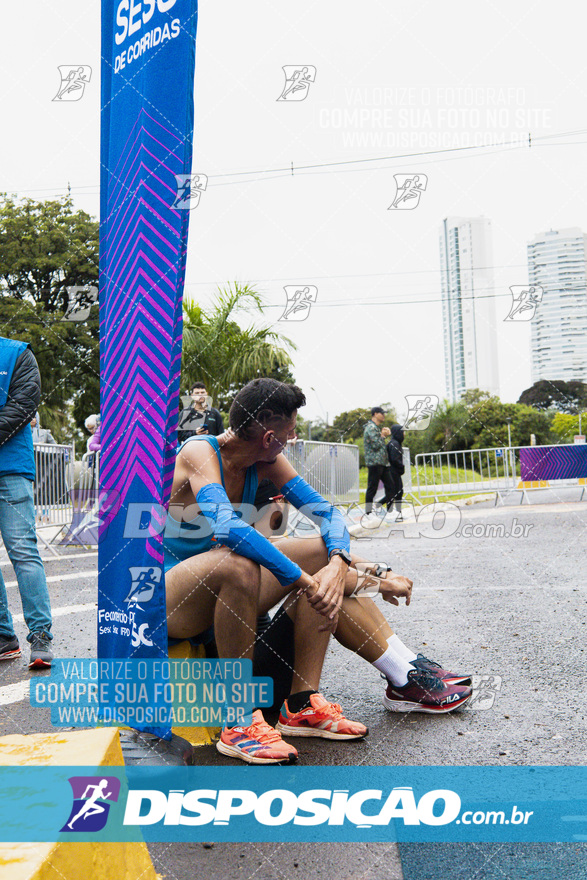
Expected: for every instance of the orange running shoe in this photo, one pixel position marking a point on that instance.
(321, 718)
(259, 743)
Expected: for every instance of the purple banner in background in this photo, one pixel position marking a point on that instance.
(148, 58)
(553, 462)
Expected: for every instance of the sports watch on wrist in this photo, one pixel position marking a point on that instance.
(346, 557)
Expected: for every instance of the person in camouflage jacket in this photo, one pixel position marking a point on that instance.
(376, 459)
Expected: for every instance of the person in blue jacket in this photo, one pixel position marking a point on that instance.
(20, 393)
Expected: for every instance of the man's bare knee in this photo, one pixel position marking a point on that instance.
(244, 575)
(316, 555)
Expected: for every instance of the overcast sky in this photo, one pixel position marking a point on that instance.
(392, 79)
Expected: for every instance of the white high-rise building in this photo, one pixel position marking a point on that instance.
(557, 262)
(468, 306)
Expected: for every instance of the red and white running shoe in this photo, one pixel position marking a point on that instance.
(320, 718)
(425, 692)
(424, 663)
(259, 743)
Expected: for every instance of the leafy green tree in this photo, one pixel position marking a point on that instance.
(282, 374)
(450, 429)
(68, 363)
(318, 430)
(450, 426)
(46, 247)
(554, 394)
(474, 396)
(491, 427)
(225, 356)
(349, 426)
(565, 426)
(479, 421)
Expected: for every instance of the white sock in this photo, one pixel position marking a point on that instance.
(398, 646)
(394, 667)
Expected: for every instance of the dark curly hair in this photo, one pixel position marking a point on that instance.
(263, 403)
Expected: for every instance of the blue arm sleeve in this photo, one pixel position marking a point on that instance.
(241, 537)
(332, 526)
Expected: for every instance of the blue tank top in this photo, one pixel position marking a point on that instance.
(178, 543)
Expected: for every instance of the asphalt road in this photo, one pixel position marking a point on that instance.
(510, 610)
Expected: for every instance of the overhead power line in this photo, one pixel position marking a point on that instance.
(349, 165)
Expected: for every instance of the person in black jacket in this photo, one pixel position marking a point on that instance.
(20, 392)
(396, 460)
(199, 418)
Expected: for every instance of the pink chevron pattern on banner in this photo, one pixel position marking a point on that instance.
(553, 462)
(146, 143)
(141, 346)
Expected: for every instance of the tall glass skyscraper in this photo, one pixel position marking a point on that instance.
(468, 306)
(557, 262)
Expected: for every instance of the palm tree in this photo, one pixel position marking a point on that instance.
(218, 352)
(451, 426)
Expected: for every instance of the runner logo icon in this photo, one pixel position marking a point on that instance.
(74, 79)
(409, 189)
(297, 82)
(79, 303)
(189, 190)
(144, 581)
(90, 802)
(525, 301)
(299, 302)
(421, 408)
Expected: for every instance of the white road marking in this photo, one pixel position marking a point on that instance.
(61, 612)
(56, 578)
(47, 559)
(14, 693)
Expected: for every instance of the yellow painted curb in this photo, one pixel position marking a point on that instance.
(70, 861)
(197, 736)
(533, 484)
(97, 747)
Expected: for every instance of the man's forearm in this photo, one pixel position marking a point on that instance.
(241, 537)
(305, 498)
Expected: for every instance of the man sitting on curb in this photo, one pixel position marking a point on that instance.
(229, 584)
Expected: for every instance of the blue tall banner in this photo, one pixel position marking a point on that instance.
(148, 59)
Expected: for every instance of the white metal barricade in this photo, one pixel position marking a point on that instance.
(84, 525)
(330, 468)
(54, 465)
(493, 470)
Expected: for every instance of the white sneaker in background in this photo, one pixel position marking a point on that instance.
(371, 521)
